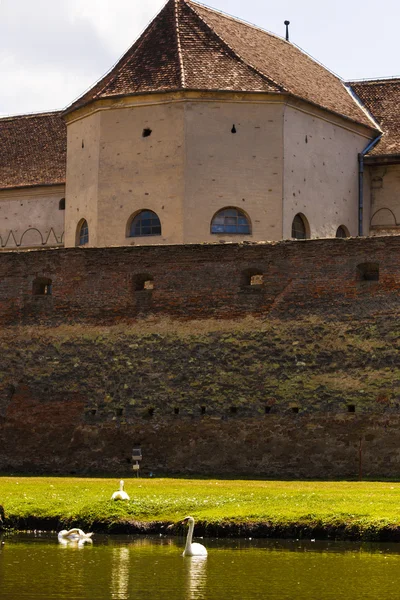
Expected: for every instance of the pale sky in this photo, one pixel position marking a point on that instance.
(51, 51)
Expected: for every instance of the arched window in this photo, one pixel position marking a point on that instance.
(61, 204)
(146, 222)
(342, 232)
(300, 229)
(42, 286)
(83, 233)
(231, 221)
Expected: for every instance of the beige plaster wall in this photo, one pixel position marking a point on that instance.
(321, 171)
(385, 199)
(83, 149)
(31, 217)
(137, 172)
(225, 169)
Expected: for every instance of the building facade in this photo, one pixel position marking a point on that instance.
(207, 130)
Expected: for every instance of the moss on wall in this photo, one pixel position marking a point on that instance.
(250, 364)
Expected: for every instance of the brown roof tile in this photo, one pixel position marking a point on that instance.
(189, 46)
(382, 98)
(33, 150)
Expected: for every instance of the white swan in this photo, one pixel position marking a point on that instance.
(74, 535)
(120, 495)
(192, 549)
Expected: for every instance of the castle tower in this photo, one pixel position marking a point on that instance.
(210, 129)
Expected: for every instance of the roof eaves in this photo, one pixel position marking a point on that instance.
(32, 185)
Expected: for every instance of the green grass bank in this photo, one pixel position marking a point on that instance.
(337, 510)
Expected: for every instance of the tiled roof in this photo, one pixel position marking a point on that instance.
(382, 99)
(33, 150)
(189, 46)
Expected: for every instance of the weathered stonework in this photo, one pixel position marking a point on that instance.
(104, 285)
(277, 398)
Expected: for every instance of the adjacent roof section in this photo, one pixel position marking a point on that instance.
(382, 98)
(33, 150)
(189, 46)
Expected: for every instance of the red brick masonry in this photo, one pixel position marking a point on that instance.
(102, 285)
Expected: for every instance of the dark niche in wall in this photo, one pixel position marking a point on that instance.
(368, 271)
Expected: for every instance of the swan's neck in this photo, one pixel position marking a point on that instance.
(121, 486)
(189, 535)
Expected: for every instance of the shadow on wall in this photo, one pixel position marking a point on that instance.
(31, 238)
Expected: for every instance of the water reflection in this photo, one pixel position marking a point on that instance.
(152, 568)
(120, 574)
(68, 543)
(196, 577)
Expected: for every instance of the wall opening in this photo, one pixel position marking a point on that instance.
(61, 204)
(351, 408)
(143, 223)
(231, 221)
(233, 130)
(42, 286)
(176, 411)
(150, 412)
(342, 232)
(267, 410)
(119, 412)
(233, 410)
(143, 282)
(82, 233)
(252, 280)
(295, 409)
(203, 410)
(146, 132)
(300, 227)
(368, 272)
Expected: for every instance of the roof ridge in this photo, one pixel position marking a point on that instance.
(31, 115)
(376, 80)
(178, 40)
(241, 59)
(362, 106)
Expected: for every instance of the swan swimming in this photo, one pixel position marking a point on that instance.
(192, 549)
(74, 536)
(120, 495)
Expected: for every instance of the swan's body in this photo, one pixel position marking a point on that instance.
(75, 536)
(192, 549)
(120, 495)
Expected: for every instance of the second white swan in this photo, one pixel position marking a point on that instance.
(121, 494)
(192, 548)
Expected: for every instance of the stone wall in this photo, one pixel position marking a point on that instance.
(294, 376)
(276, 398)
(331, 277)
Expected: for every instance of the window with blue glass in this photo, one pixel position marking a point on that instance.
(145, 223)
(231, 221)
(83, 236)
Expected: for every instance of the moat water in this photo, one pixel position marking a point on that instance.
(148, 568)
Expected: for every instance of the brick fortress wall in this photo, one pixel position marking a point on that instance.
(101, 286)
(308, 399)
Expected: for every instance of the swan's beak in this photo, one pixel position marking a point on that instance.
(185, 521)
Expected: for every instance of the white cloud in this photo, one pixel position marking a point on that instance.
(53, 50)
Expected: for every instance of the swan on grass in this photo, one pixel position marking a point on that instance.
(121, 494)
(74, 536)
(192, 549)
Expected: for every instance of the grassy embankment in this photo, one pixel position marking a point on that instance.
(345, 510)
